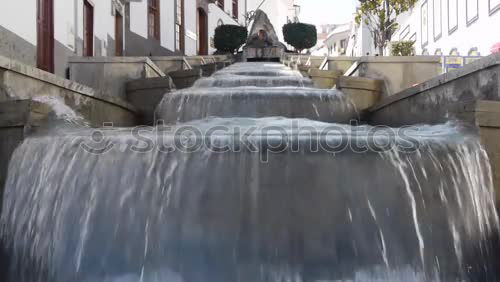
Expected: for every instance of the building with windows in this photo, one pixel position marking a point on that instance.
(44, 33)
(224, 12)
(451, 27)
(360, 42)
(335, 42)
(440, 27)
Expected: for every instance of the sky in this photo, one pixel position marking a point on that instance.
(326, 11)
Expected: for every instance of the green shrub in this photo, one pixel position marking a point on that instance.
(403, 48)
(229, 38)
(300, 35)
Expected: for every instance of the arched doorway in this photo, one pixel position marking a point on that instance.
(202, 32)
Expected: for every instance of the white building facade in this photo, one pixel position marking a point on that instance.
(360, 42)
(45, 33)
(335, 43)
(451, 27)
(224, 12)
(440, 27)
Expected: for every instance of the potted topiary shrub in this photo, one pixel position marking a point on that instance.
(300, 35)
(228, 38)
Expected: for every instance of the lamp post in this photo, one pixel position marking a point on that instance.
(297, 12)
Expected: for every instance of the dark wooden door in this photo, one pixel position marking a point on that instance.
(118, 34)
(88, 29)
(202, 33)
(45, 35)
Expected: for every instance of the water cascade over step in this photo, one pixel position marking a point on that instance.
(218, 195)
(256, 90)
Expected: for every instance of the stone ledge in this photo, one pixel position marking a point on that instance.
(117, 60)
(148, 83)
(38, 74)
(483, 63)
(19, 113)
(399, 59)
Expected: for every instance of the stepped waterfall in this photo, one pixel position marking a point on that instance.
(251, 175)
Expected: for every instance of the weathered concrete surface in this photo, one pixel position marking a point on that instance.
(109, 74)
(16, 120)
(175, 63)
(364, 92)
(196, 61)
(487, 115)
(399, 73)
(185, 78)
(19, 81)
(315, 61)
(341, 63)
(170, 63)
(324, 79)
(146, 93)
(448, 96)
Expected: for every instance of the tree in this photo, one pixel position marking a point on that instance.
(380, 18)
(300, 35)
(229, 38)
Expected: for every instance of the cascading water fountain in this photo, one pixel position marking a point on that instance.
(244, 197)
(251, 176)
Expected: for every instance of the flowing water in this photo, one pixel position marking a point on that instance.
(239, 198)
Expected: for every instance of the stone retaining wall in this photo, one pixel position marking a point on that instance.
(447, 96)
(109, 74)
(19, 81)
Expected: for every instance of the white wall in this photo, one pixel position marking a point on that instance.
(216, 15)
(167, 19)
(360, 42)
(139, 18)
(64, 23)
(20, 18)
(190, 22)
(481, 34)
(333, 43)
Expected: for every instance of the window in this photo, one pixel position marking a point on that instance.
(343, 43)
(235, 9)
(220, 3)
(472, 11)
(452, 16)
(179, 25)
(154, 19)
(424, 23)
